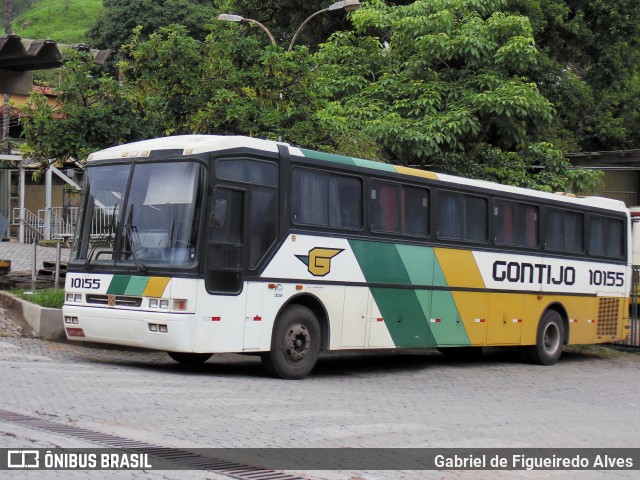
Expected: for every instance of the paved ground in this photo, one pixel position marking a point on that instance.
(419, 400)
(21, 255)
(590, 399)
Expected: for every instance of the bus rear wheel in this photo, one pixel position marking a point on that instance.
(295, 344)
(190, 358)
(549, 340)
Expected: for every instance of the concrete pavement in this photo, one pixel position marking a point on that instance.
(21, 255)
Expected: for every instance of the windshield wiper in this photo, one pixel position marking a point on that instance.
(129, 229)
(109, 230)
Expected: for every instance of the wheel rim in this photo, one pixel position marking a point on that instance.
(297, 343)
(551, 339)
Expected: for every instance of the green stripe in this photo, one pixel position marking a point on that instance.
(404, 317)
(380, 262)
(330, 157)
(136, 286)
(451, 331)
(118, 284)
(407, 312)
(418, 261)
(376, 165)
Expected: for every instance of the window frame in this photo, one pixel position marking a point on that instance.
(329, 175)
(518, 204)
(463, 195)
(564, 211)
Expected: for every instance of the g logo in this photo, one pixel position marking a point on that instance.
(319, 260)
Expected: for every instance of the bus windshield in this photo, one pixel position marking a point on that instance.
(157, 225)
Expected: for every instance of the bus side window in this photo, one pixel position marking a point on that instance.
(384, 206)
(415, 210)
(322, 199)
(564, 230)
(263, 219)
(449, 215)
(475, 219)
(605, 237)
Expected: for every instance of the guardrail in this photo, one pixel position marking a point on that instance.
(633, 340)
(34, 228)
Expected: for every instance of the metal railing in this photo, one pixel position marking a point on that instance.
(62, 221)
(633, 339)
(34, 228)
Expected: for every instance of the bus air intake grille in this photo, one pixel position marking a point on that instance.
(608, 316)
(120, 300)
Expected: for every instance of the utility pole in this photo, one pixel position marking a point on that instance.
(6, 113)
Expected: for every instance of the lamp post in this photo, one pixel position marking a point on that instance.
(225, 17)
(348, 5)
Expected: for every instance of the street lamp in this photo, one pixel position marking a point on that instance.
(348, 5)
(225, 17)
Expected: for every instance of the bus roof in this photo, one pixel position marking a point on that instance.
(195, 144)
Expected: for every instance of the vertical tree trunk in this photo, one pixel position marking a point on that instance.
(6, 115)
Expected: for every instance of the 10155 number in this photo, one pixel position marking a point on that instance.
(88, 283)
(605, 278)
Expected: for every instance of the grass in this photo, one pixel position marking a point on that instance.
(46, 297)
(65, 21)
(600, 351)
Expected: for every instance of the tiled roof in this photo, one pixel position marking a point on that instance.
(21, 55)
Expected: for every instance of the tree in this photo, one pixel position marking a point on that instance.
(92, 113)
(283, 17)
(229, 84)
(117, 21)
(440, 84)
(6, 115)
(588, 68)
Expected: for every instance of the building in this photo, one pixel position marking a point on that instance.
(37, 206)
(621, 173)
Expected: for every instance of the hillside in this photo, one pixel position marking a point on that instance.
(65, 21)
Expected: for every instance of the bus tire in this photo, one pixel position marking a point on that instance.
(549, 340)
(190, 358)
(295, 344)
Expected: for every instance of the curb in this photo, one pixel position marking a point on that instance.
(46, 323)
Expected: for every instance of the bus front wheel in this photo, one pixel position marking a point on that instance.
(295, 344)
(549, 340)
(190, 358)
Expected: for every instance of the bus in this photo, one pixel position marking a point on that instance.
(204, 244)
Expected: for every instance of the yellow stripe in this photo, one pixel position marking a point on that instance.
(156, 286)
(459, 268)
(416, 173)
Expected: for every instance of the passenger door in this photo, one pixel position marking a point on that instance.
(225, 242)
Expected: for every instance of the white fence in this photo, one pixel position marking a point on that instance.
(62, 223)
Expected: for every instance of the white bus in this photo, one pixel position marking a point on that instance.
(235, 244)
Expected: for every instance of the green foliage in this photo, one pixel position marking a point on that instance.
(65, 21)
(46, 297)
(588, 68)
(442, 84)
(92, 113)
(117, 21)
(283, 17)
